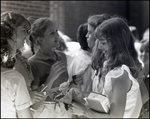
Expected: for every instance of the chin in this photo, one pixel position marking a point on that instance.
(21, 48)
(53, 49)
(90, 46)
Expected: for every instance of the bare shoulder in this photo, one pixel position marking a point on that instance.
(122, 81)
(123, 77)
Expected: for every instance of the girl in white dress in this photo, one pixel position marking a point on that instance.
(118, 77)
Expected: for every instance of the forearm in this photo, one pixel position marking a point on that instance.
(79, 108)
(25, 113)
(49, 82)
(35, 84)
(86, 94)
(144, 92)
(34, 87)
(82, 109)
(93, 114)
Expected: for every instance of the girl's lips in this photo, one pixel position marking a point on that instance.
(104, 51)
(57, 43)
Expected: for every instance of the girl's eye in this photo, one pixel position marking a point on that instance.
(51, 33)
(141, 50)
(103, 42)
(56, 41)
(26, 31)
(89, 32)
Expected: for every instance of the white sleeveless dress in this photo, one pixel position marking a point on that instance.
(133, 100)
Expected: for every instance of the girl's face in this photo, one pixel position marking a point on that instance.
(102, 44)
(145, 57)
(144, 54)
(22, 34)
(51, 38)
(90, 36)
(19, 36)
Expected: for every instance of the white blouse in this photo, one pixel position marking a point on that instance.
(14, 94)
(133, 100)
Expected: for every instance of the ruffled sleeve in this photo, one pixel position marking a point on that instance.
(117, 72)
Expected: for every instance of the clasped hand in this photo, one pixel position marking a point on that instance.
(58, 68)
(37, 95)
(77, 108)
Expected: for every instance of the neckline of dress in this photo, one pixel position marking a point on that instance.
(5, 70)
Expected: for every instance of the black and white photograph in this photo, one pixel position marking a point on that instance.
(74, 59)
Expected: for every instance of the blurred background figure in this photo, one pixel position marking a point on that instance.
(64, 37)
(146, 34)
(144, 51)
(135, 32)
(144, 56)
(82, 60)
(93, 21)
(68, 46)
(137, 43)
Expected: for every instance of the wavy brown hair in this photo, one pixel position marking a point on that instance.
(121, 45)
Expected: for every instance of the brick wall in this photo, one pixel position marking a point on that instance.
(139, 15)
(70, 14)
(57, 13)
(37, 9)
(27, 8)
(77, 12)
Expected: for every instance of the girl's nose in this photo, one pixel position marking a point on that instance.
(100, 46)
(57, 34)
(142, 53)
(87, 35)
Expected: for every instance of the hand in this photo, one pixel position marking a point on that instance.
(58, 68)
(64, 87)
(42, 88)
(36, 96)
(78, 108)
(78, 79)
(34, 87)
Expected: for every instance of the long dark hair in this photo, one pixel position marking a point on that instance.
(97, 19)
(81, 36)
(94, 21)
(121, 45)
